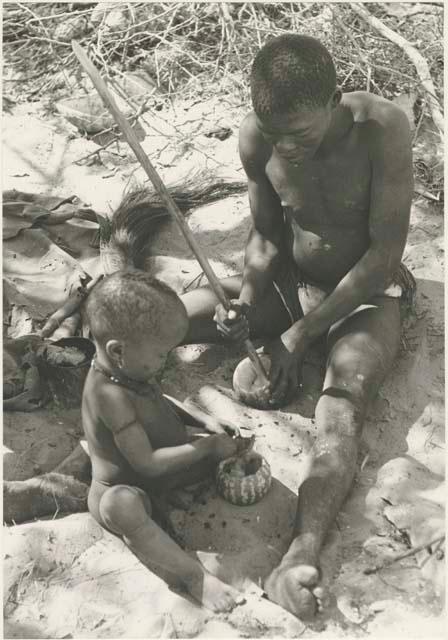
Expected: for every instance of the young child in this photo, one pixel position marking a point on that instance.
(137, 437)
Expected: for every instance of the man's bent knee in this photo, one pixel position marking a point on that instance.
(124, 509)
(355, 369)
(340, 413)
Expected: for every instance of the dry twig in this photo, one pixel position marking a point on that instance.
(415, 56)
(401, 556)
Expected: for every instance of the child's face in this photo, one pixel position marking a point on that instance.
(144, 357)
(142, 360)
(297, 136)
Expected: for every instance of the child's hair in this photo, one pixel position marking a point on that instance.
(130, 303)
(289, 72)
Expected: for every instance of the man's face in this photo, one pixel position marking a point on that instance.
(296, 136)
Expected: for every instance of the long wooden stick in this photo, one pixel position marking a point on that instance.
(164, 194)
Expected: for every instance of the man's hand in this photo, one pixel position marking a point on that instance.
(232, 324)
(287, 354)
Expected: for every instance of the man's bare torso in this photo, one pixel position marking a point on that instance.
(326, 200)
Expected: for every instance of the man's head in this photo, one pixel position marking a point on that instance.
(293, 88)
(135, 320)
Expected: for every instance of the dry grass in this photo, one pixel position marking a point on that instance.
(186, 45)
(195, 50)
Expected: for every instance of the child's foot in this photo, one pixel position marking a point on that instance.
(214, 594)
(295, 588)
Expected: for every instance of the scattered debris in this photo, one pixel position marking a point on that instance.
(401, 556)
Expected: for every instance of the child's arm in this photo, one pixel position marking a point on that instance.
(132, 441)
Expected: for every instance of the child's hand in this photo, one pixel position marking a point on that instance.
(216, 425)
(223, 446)
(231, 429)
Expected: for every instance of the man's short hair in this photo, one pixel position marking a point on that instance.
(131, 303)
(290, 72)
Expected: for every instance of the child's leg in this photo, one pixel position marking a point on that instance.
(126, 511)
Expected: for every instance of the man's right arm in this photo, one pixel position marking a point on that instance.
(263, 245)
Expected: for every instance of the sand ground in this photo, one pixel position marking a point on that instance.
(65, 577)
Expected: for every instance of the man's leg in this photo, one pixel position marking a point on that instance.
(361, 351)
(268, 319)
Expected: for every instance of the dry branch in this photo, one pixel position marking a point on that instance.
(421, 65)
(406, 554)
(184, 44)
(70, 307)
(205, 49)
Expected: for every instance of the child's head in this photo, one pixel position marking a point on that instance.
(293, 88)
(135, 320)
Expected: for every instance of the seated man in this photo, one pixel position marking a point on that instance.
(330, 187)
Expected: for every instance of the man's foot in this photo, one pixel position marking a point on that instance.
(214, 594)
(295, 588)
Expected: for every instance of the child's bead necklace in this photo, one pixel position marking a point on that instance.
(142, 388)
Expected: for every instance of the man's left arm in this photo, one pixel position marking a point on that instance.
(390, 203)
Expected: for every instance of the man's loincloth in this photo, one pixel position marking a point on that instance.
(291, 286)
